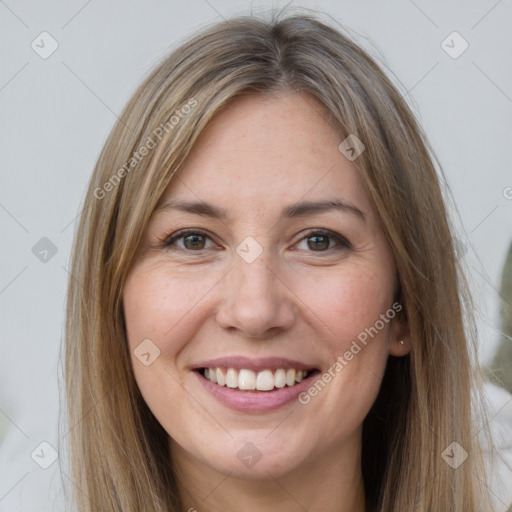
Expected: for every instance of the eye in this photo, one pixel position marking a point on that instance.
(322, 240)
(193, 240)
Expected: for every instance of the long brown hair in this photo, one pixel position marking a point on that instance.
(118, 449)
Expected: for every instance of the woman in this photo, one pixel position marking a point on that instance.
(265, 309)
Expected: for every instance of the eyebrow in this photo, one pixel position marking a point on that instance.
(293, 211)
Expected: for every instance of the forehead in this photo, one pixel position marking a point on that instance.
(262, 150)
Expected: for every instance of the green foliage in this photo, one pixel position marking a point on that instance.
(500, 371)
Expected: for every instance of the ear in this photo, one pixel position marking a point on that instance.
(399, 343)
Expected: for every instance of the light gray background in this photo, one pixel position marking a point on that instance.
(57, 112)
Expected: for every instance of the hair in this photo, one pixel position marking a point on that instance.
(119, 451)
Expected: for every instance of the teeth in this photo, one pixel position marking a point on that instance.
(280, 378)
(231, 378)
(265, 381)
(245, 379)
(221, 380)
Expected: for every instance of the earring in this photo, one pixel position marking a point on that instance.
(401, 342)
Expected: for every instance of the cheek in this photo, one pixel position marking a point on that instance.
(162, 308)
(347, 315)
(343, 304)
(157, 305)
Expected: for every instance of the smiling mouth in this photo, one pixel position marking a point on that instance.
(248, 380)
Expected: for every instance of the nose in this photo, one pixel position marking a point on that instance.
(256, 301)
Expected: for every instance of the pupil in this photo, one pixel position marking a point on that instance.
(320, 242)
(196, 241)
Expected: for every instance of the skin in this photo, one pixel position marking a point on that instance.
(299, 300)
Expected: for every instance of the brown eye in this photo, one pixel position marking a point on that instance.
(320, 242)
(193, 241)
(323, 241)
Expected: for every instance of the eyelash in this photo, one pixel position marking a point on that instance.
(342, 242)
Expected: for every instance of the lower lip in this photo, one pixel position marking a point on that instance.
(255, 401)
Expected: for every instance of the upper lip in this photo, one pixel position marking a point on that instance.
(256, 364)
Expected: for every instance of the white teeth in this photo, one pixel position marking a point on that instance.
(245, 379)
(231, 378)
(265, 381)
(280, 378)
(221, 380)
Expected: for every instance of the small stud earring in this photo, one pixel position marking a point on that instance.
(401, 342)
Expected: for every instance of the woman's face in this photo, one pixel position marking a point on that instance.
(265, 263)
